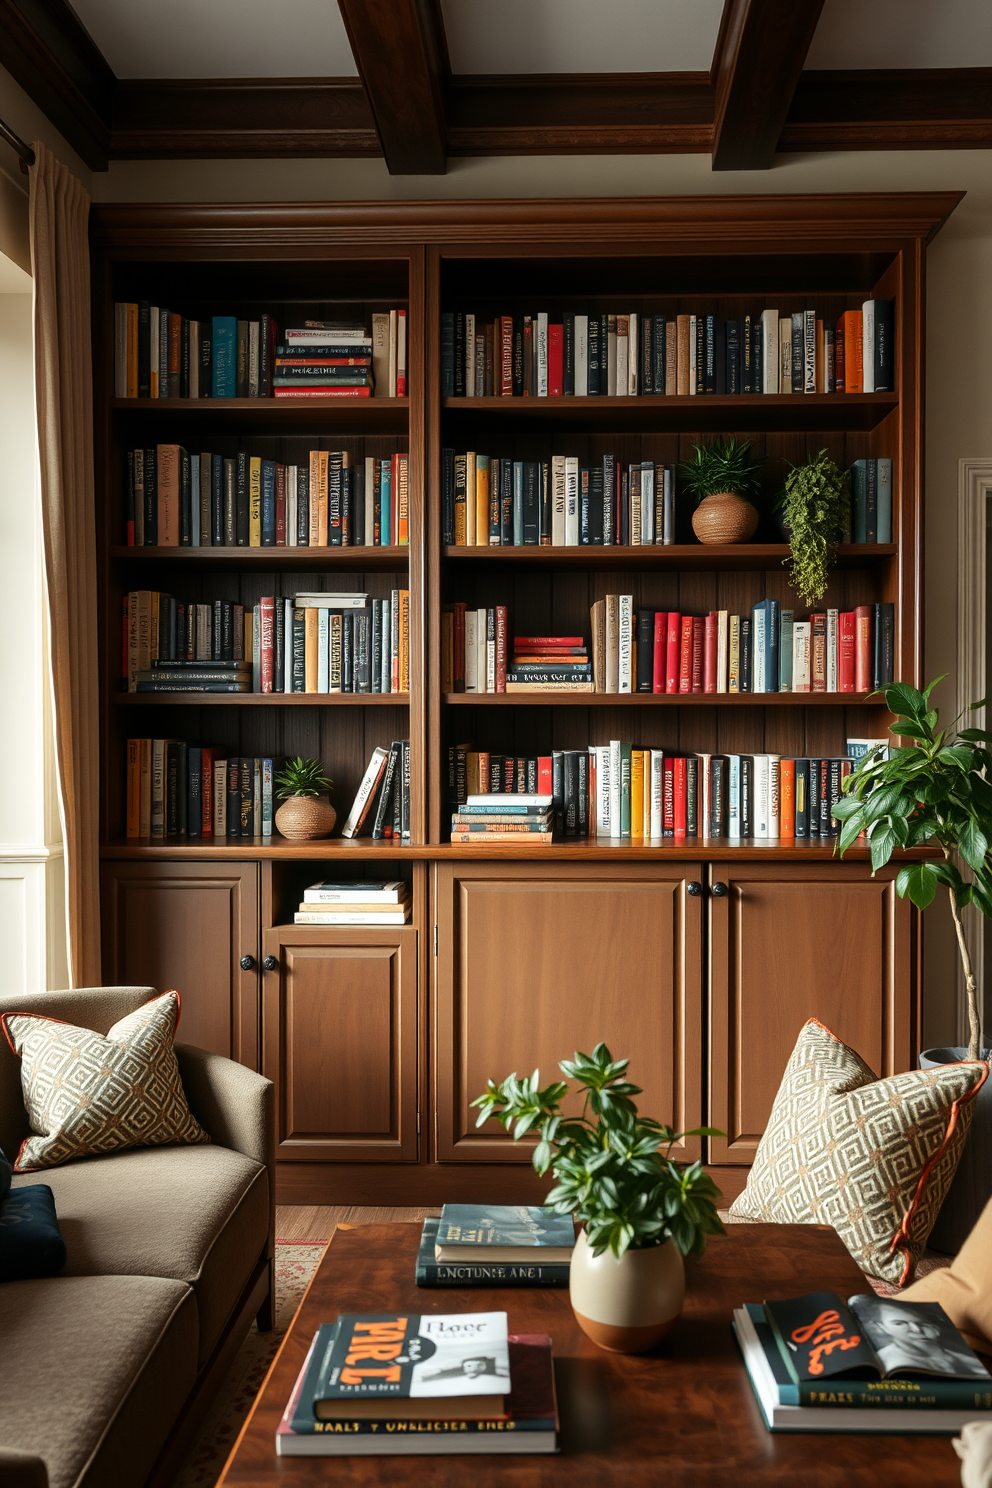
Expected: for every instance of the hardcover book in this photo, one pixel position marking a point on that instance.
(504, 1232)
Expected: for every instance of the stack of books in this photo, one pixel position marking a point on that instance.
(549, 664)
(375, 903)
(324, 359)
(496, 1245)
(381, 807)
(410, 1385)
(498, 817)
(817, 1363)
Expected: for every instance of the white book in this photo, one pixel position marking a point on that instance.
(833, 621)
(759, 806)
(612, 647)
(480, 651)
(155, 372)
(316, 600)
(647, 503)
(387, 649)
(501, 798)
(785, 354)
(615, 782)
(220, 799)
(357, 917)
(369, 501)
(571, 501)
(288, 645)
(809, 352)
(759, 649)
(324, 651)
(657, 793)
(868, 346)
(633, 326)
(401, 348)
(469, 354)
(770, 353)
(487, 654)
(625, 665)
(541, 332)
(581, 356)
(333, 334)
(256, 648)
(611, 359)
(393, 347)
(393, 891)
(733, 795)
(120, 349)
(692, 354)
(786, 620)
(602, 753)
(558, 501)
(471, 650)
(623, 351)
(369, 782)
(722, 639)
(774, 796)
(801, 641)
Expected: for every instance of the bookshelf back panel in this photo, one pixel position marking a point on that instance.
(291, 877)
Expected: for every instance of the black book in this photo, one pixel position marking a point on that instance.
(885, 346)
(884, 644)
(376, 645)
(532, 508)
(242, 519)
(217, 500)
(151, 497)
(397, 801)
(447, 354)
(568, 354)
(194, 792)
(700, 355)
(747, 353)
(720, 356)
(506, 503)
(347, 653)
(518, 356)
(647, 355)
(570, 804)
(383, 810)
(826, 825)
(692, 796)
(206, 358)
(266, 341)
(231, 504)
(597, 506)
(335, 468)
(477, 1271)
(623, 536)
(179, 629)
(732, 333)
(757, 357)
(234, 797)
(798, 351)
(495, 773)
(544, 501)
(129, 510)
(802, 797)
(871, 501)
(405, 818)
(246, 806)
(583, 828)
(659, 369)
(718, 795)
(605, 532)
(302, 506)
(279, 646)
(709, 354)
(459, 368)
(226, 630)
(645, 650)
(144, 350)
(745, 806)
(448, 497)
(836, 776)
(584, 499)
(593, 356)
(357, 505)
(171, 788)
(532, 774)
(184, 356)
(241, 364)
(744, 664)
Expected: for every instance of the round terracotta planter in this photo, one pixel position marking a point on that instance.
(724, 518)
(302, 817)
(626, 1306)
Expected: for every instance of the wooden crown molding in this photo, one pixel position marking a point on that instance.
(947, 108)
(760, 51)
(47, 51)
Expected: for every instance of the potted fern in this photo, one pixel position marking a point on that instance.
(936, 792)
(306, 812)
(722, 476)
(815, 508)
(641, 1211)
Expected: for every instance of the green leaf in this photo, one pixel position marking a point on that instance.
(901, 698)
(883, 843)
(973, 844)
(957, 754)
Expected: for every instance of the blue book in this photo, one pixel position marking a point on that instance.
(883, 500)
(478, 1269)
(859, 499)
(785, 651)
(225, 356)
(385, 502)
(759, 647)
(268, 503)
(772, 624)
(504, 1232)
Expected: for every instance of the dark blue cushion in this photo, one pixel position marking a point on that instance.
(4, 1177)
(30, 1241)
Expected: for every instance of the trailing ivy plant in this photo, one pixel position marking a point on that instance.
(722, 465)
(816, 504)
(934, 791)
(302, 777)
(615, 1173)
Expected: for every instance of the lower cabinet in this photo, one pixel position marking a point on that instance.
(537, 960)
(788, 943)
(187, 926)
(339, 1015)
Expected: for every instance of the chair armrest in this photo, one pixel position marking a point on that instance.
(21, 1469)
(232, 1103)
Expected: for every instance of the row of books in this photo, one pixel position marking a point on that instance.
(376, 902)
(626, 355)
(159, 353)
(620, 790)
(312, 642)
(178, 789)
(176, 499)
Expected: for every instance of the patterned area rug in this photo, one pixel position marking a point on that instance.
(296, 1261)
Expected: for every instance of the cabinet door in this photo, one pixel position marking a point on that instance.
(187, 925)
(788, 943)
(340, 1042)
(538, 960)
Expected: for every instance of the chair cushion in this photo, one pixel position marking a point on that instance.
(103, 1366)
(193, 1214)
(30, 1241)
(85, 1093)
(874, 1158)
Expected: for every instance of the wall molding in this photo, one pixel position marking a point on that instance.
(28, 852)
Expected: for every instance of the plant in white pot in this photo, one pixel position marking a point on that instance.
(641, 1211)
(936, 792)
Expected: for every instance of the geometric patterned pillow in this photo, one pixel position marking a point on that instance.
(86, 1095)
(874, 1158)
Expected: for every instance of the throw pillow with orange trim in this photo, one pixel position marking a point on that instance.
(874, 1158)
(87, 1095)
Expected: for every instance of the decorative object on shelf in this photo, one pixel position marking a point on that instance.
(816, 513)
(306, 812)
(641, 1210)
(721, 476)
(935, 792)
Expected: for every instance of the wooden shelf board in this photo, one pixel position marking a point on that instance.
(356, 559)
(784, 411)
(260, 699)
(722, 556)
(389, 415)
(664, 700)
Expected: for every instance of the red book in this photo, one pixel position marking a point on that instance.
(207, 792)
(501, 623)
(862, 649)
(673, 644)
(125, 669)
(698, 647)
(555, 347)
(546, 643)
(506, 356)
(528, 357)
(787, 797)
(322, 392)
(709, 654)
(266, 627)
(659, 684)
(668, 797)
(685, 655)
(680, 798)
(544, 787)
(281, 506)
(818, 653)
(401, 340)
(845, 651)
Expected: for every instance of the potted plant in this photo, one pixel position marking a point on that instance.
(816, 509)
(641, 1211)
(302, 786)
(935, 792)
(721, 476)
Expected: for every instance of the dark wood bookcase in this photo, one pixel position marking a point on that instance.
(378, 1041)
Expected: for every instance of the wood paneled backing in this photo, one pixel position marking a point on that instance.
(534, 963)
(340, 1042)
(787, 945)
(290, 877)
(187, 925)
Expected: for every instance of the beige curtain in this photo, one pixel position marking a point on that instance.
(60, 265)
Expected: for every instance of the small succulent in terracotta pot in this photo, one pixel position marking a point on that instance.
(721, 476)
(306, 812)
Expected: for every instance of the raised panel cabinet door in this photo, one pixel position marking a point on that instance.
(789, 943)
(187, 926)
(538, 960)
(340, 1042)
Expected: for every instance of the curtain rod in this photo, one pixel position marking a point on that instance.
(16, 143)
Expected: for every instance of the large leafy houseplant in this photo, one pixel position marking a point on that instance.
(816, 507)
(934, 791)
(613, 1168)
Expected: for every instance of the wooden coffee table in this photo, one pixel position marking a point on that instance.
(683, 1415)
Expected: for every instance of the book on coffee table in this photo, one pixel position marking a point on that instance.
(518, 1233)
(529, 1422)
(476, 1269)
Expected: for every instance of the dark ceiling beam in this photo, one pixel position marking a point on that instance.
(46, 49)
(931, 108)
(401, 58)
(759, 56)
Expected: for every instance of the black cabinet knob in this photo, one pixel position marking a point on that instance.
(270, 963)
(247, 963)
(719, 890)
(694, 889)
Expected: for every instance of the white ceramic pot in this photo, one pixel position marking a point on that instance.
(626, 1306)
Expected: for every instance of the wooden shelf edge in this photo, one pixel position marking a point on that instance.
(593, 849)
(676, 555)
(253, 405)
(655, 401)
(664, 700)
(351, 557)
(260, 699)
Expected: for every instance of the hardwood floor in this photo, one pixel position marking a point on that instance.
(302, 1222)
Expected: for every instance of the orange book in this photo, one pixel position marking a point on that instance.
(311, 641)
(168, 495)
(851, 329)
(862, 648)
(481, 500)
(132, 351)
(404, 657)
(403, 502)
(314, 482)
(321, 498)
(637, 793)
(787, 797)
